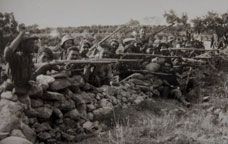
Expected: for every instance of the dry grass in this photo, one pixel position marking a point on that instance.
(177, 125)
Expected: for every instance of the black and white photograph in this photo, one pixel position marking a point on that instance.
(113, 71)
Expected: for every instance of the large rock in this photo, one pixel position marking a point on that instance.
(101, 112)
(138, 100)
(87, 97)
(60, 84)
(105, 103)
(78, 99)
(44, 112)
(88, 125)
(37, 103)
(28, 132)
(44, 136)
(10, 113)
(68, 137)
(15, 140)
(57, 113)
(45, 80)
(74, 114)
(67, 105)
(35, 90)
(17, 133)
(9, 96)
(53, 96)
(109, 91)
(77, 81)
(90, 107)
(42, 127)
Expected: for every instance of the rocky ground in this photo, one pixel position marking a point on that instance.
(68, 110)
(162, 121)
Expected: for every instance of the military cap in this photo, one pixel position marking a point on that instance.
(66, 38)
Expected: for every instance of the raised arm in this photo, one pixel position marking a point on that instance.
(13, 46)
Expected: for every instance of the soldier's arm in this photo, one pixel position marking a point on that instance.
(13, 46)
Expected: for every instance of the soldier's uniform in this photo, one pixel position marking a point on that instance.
(171, 85)
(20, 60)
(45, 55)
(21, 65)
(66, 42)
(100, 74)
(85, 46)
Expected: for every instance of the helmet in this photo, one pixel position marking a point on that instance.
(66, 38)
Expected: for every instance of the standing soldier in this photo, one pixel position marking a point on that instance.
(19, 56)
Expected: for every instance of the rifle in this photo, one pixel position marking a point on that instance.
(149, 55)
(191, 60)
(47, 66)
(154, 73)
(87, 61)
(188, 49)
(156, 32)
(104, 39)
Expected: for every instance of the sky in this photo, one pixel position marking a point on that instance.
(58, 13)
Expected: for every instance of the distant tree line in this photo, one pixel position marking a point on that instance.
(212, 22)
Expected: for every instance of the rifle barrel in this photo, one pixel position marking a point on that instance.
(188, 49)
(150, 55)
(149, 72)
(93, 61)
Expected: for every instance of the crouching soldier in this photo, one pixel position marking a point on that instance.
(45, 55)
(171, 85)
(19, 56)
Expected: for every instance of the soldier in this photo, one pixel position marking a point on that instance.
(73, 53)
(131, 45)
(19, 56)
(171, 85)
(45, 55)
(85, 48)
(144, 39)
(114, 46)
(66, 42)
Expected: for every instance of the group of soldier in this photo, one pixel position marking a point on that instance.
(99, 64)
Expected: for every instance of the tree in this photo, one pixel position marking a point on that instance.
(198, 25)
(8, 29)
(170, 16)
